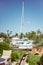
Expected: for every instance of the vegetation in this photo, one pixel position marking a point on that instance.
(33, 59)
(4, 46)
(41, 61)
(17, 54)
(7, 37)
(36, 36)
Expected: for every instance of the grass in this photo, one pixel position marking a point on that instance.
(33, 59)
(17, 54)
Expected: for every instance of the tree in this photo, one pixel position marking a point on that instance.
(21, 35)
(31, 35)
(16, 35)
(3, 35)
(38, 32)
(9, 36)
(38, 36)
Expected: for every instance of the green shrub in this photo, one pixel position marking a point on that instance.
(4, 46)
(33, 59)
(17, 54)
(41, 61)
(27, 59)
(14, 56)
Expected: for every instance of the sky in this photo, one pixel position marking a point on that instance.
(11, 15)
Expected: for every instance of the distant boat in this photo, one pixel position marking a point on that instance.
(21, 43)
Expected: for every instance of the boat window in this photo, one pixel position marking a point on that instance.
(25, 40)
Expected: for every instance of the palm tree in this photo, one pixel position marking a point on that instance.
(21, 35)
(9, 37)
(38, 37)
(38, 32)
(31, 35)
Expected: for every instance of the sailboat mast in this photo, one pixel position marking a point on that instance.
(22, 18)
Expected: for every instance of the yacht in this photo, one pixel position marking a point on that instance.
(24, 43)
